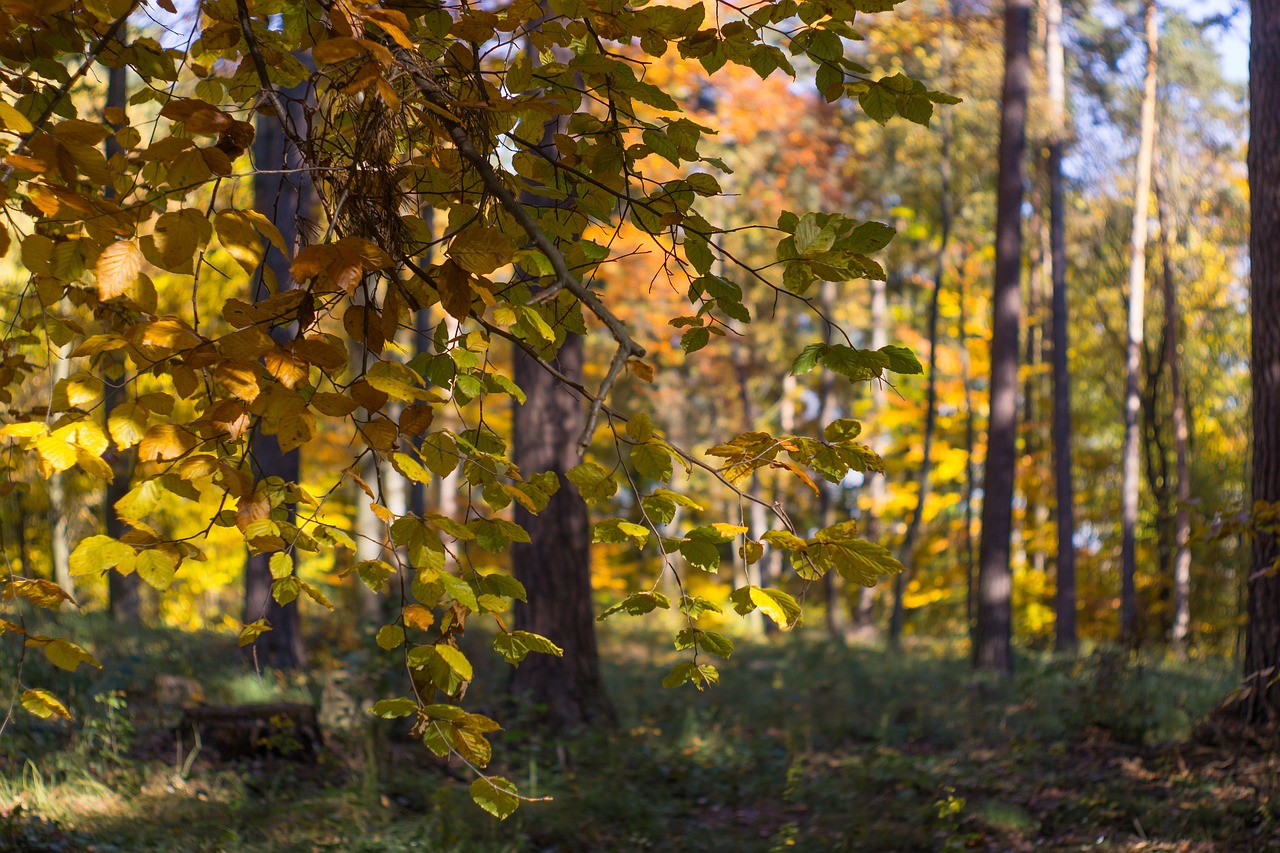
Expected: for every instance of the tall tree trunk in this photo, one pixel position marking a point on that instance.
(1065, 635)
(1262, 629)
(124, 594)
(993, 632)
(1133, 350)
(555, 567)
(59, 511)
(970, 439)
(831, 581)
(906, 554)
(1181, 434)
(877, 487)
(281, 197)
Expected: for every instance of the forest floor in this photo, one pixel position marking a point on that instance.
(804, 745)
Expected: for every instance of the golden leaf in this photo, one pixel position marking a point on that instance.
(117, 269)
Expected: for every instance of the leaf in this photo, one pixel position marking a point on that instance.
(515, 646)
(637, 604)
(67, 655)
(117, 269)
(481, 250)
(251, 632)
(281, 565)
(390, 637)
(774, 603)
(157, 568)
(594, 483)
(456, 661)
(97, 554)
(43, 704)
(41, 593)
(808, 359)
(495, 795)
(902, 360)
(389, 709)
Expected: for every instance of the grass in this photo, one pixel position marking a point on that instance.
(804, 745)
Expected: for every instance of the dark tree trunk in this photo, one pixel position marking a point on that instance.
(1065, 638)
(555, 567)
(1262, 631)
(282, 198)
(124, 599)
(993, 633)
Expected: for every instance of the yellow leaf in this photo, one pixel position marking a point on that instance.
(178, 237)
(97, 554)
(127, 424)
(249, 633)
(56, 453)
(42, 704)
(156, 568)
(165, 441)
(481, 250)
(417, 616)
(14, 120)
(118, 268)
(41, 593)
(240, 378)
(238, 236)
(24, 430)
(281, 565)
(67, 655)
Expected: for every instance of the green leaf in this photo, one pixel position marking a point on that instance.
(285, 590)
(389, 709)
(637, 604)
(615, 530)
(868, 237)
(390, 637)
(845, 429)
(515, 646)
(495, 795)
(652, 460)
(808, 359)
(594, 483)
(639, 427)
(902, 360)
(695, 339)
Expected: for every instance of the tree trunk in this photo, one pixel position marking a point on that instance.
(877, 488)
(970, 439)
(280, 197)
(555, 567)
(1181, 436)
(993, 632)
(1133, 349)
(124, 595)
(1065, 634)
(59, 512)
(832, 583)
(1262, 629)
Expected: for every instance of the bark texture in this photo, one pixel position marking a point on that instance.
(1066, 637)
(282, 197)
(555, 567)
(124, 595)
(1262, 634)
(993, 631)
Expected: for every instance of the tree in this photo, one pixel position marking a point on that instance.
(278, 187)
(994, 625)
(1129, 490)
(1066, 638)
(396, 107)
(1261, 702)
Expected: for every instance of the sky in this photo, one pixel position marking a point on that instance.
(1233, 44)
